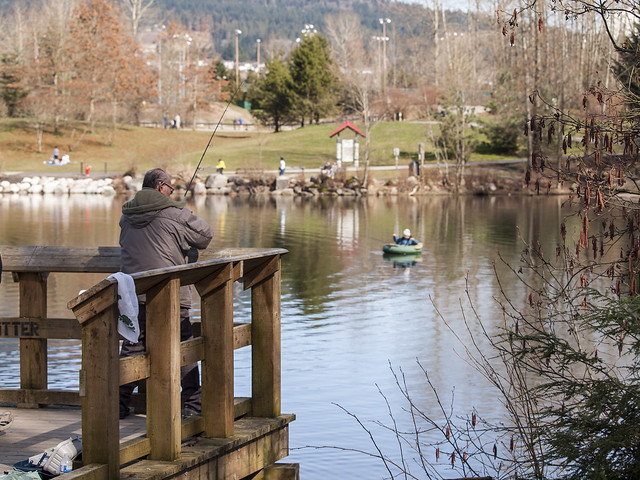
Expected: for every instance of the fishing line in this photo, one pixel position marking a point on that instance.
(211, 138)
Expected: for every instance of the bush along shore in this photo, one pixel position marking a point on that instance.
(258, 183)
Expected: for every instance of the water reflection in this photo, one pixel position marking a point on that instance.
(348, 313)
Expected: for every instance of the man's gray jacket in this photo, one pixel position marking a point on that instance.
(157, 232)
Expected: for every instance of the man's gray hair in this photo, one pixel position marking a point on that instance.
(155, 177)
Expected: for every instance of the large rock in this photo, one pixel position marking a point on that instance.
(199, 188)
(282, 182)
(216, 181)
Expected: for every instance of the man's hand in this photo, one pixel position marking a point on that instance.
(192, 255)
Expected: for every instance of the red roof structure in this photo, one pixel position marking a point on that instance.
(348, 125)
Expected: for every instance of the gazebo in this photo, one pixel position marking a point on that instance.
(347, 149)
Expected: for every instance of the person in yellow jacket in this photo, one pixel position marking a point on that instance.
(220, 166)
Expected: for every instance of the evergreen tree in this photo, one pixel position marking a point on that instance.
(313, 78)
(272, 97)
(627, 68)
(10, 90)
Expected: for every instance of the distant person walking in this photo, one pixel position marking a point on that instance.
(56, 154)
(220, 166)
(282, 165)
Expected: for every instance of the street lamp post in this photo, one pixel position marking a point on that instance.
(258, 41)
(160, 40)
(238, 33)
(383, 22)
(185, 61)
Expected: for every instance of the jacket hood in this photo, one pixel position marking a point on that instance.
(148, 200)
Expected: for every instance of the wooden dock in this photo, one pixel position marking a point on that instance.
(234, 438)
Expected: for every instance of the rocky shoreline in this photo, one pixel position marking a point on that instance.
(259, 183)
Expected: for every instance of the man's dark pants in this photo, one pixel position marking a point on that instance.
(191, 395)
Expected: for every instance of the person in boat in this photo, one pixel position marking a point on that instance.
(157, 232)
(405, 239)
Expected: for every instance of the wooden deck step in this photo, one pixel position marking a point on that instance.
(257, 442)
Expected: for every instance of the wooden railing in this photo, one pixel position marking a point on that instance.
(103, 371)
(31, 267)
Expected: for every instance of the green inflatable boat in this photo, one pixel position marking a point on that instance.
(393, 249)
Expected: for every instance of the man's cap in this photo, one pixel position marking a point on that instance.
(407, 232)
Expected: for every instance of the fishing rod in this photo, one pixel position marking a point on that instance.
(211, 137)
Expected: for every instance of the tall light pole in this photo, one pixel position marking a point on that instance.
(238, 33)
(383, 22)
(258, 41)
(185, 60)
(378, 68)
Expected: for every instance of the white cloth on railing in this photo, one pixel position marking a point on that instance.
(128, 325)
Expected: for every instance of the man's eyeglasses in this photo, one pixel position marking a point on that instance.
(170, 187)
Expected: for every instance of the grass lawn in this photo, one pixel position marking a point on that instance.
(130, 148)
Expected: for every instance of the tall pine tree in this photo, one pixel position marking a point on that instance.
(313, 79)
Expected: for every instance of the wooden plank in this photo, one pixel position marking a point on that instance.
(238, 271)
(93, 471)
(241, 335)
(199, 272)
(217, 364)
(163, 387)
(60, 259)
(191, 351)
(102, 259)
(35, 327)
(257, 271)
(148, 280)
(238, 254)
(134, 368)
(134, 449)
(280, 471)
(260, 443)
(39, 397)
(99, 388)
(265, 352)
(95, 300)
(242, 406)
(33, 351)
(254, 456)
(216, 279)
(193, 426)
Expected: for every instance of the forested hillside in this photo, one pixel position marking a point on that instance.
(283, 19)
(278, 20)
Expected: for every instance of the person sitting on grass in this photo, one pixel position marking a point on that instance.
(405, 239)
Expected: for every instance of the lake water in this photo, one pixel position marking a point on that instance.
(350, 317)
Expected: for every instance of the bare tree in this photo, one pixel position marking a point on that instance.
(341, 30)
(136, 10)
(359, 77)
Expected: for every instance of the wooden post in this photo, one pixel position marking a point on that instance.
(217, 366)
(265, 335)
(163, 387)
(33, 351)
(99, 379)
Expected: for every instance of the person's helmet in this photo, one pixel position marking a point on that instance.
(406, 233)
